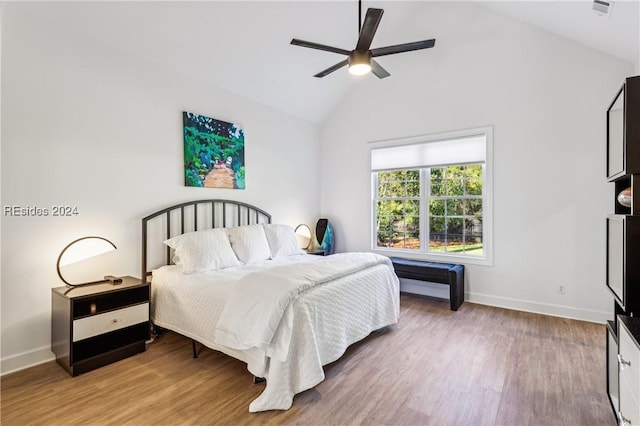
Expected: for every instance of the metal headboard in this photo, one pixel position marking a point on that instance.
(192, 216)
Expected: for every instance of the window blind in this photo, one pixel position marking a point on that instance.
(462, 150)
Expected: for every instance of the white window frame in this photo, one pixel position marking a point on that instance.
(486, 258)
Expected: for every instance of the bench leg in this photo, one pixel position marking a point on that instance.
(456, 289)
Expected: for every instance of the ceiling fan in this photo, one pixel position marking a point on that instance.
(360, 59)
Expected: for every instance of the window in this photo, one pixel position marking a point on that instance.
(454, 203)
(398, 209)
(431, 196)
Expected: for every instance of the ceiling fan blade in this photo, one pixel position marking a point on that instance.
(319, 46)
(332, 68)
(378, 71)
(369, 27)
(406, 47)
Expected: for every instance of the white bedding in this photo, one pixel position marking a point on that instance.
(328, 317)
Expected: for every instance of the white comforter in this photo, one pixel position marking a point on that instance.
(314, 319)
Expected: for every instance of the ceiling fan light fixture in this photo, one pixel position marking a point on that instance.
(359, 62)
(359, 69)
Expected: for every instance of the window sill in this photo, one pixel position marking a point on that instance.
(435, 257)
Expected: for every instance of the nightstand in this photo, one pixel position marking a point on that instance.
(96, 325)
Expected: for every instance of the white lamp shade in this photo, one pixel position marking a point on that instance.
(85, 248)
(81, 249)
(303, 236)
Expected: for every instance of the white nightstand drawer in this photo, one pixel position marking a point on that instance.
(629, 413)
(629, 362)
(109, 321)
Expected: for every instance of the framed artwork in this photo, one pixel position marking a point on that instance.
(213, 152)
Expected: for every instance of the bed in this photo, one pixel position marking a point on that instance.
(285, 313)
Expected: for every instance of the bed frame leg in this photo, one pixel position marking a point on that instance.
(193, 346)
(257, 380)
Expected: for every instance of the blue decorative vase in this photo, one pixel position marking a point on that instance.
(324, 235)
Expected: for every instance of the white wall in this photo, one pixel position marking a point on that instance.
(546, 98)
(89, 127)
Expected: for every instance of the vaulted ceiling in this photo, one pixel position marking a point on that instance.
(244, 46)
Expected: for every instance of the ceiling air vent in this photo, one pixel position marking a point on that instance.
(602, 7)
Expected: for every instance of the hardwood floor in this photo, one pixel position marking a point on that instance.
(477, 366)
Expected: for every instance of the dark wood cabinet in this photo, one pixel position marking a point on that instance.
(95, 325)
(623, 243)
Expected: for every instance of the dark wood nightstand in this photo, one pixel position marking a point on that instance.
(96, 325)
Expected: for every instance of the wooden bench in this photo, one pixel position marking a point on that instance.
(444, 273)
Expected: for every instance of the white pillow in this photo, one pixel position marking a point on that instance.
(282, 240)
(249, 243)
(202, 251)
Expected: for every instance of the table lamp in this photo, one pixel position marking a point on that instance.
(304, 237)
(84, 248)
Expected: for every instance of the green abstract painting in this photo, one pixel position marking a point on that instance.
(213, 153)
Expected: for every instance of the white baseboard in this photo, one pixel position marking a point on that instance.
(599, 317)
(442, 291)
(24, 360)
